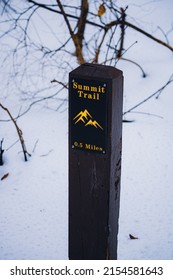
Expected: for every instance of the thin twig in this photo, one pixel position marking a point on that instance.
(35, 146)
(60, 83)
(148, 114)
(131, 61)
(95, 60)
(12, 145)
(157, 93)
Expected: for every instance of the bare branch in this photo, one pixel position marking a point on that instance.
(19, 132)
(95, 60)
(158, 92)
(48, 7)
(118, 22)
(131, 61)
(65, 17)
(59, 82)
(82, 20)
(40, 55)
(78, 37)
(122, 26)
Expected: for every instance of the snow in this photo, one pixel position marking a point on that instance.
(34, 196)
(146, 196)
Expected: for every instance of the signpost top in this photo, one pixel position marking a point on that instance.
(97, 70)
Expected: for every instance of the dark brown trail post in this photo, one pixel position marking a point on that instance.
(95, 141)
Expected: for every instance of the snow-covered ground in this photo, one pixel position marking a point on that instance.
(34, 196)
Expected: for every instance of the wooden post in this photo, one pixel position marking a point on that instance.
(95, 141)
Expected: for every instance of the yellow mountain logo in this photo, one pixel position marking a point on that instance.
(82, 116)
(93, 123)
(87, 119)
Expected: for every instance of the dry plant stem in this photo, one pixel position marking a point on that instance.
(19, 132)
(1, 153)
